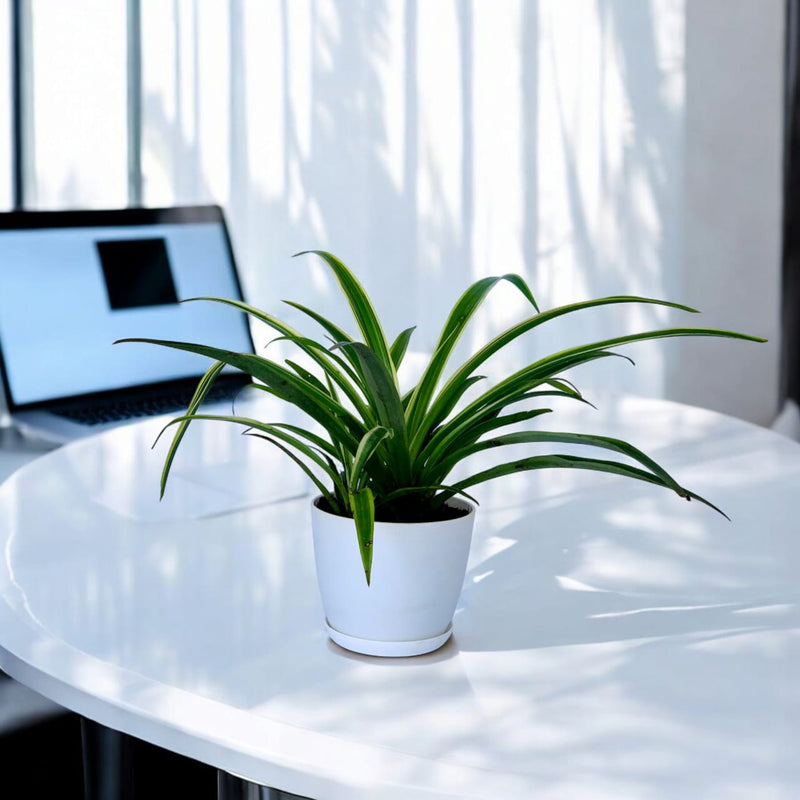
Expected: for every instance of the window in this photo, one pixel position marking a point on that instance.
(78, 136)
(6, 111)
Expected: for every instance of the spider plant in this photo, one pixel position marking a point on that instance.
(388, 455)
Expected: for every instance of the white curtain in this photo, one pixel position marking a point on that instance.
(430, 142)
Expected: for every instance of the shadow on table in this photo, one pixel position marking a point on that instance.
(618, 568)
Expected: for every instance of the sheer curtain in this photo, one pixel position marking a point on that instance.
(77, 155)
(429, 143)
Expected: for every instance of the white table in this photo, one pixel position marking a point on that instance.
(19, 706)
(612, 641)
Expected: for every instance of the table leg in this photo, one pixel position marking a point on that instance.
(107, 762)
(229, 787)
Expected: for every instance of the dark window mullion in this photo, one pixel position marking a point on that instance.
(134, 102)
(17, 101)
(790, 355)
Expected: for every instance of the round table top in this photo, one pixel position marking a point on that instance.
(611, 641)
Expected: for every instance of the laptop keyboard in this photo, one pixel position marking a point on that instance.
(114, 411)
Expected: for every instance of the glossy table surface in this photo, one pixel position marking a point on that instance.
(612, 640)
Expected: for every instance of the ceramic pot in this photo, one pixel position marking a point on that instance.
(417, 574)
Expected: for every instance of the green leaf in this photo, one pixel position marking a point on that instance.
(283, 383)
(362, 503)
(321, 488)
(336, 370)
(554, 437)
(420, 432)
(444, 409)
(462, 312)
(577, 462)
(404, 491)
(336, 333)
(315, 350)
(493, 422)
(329, 361)
(308, 377)
(569, 388)
(400, 346)
(334, 330)
(510, 390)
(363, 311)
(318, 442)
(366, 447)
(435, 464)
(467, 427)
(203, 387)
(257, 313)
(547, 368)
(275, 431)
(664, 333)
(388, 406)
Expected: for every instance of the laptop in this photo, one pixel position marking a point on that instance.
(72, 282)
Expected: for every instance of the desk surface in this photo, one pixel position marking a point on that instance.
(17, 450)
(612, 641)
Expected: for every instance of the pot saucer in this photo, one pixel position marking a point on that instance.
(374, 647)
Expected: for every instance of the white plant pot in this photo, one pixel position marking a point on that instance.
(417, 574)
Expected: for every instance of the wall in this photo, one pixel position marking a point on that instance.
(732, 202)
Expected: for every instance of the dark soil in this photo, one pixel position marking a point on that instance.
(407, 511)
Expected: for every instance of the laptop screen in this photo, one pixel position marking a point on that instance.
(71, 283)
